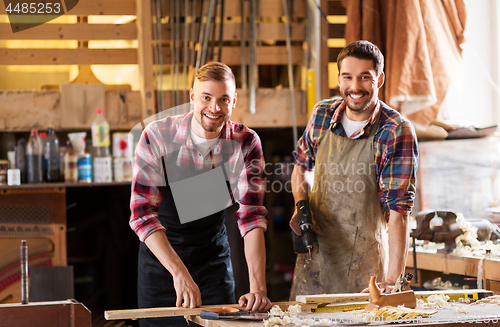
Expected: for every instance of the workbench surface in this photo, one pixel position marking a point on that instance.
(478, 314)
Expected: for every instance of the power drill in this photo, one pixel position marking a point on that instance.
(304, 243)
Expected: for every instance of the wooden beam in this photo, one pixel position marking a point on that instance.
(269, 8)
(72, 32)
(232, 31)
(267, 55)
(145, 57)
(98, 7)
(324, 55)
(81, 56)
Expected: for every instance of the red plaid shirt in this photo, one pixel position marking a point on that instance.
(148, 176)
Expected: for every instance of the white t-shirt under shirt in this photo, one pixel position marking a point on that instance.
(351, 126)
(203, 145)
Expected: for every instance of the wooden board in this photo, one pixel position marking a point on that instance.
(71, 32)
(173, 311)
(81, 56)
(78, 104)
(25, 110)
(359, 297)
(453, 264)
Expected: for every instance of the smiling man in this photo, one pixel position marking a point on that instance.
(364, 155)
(188, 263)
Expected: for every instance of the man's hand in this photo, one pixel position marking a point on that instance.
(385, 287)
(188, 293)
(294, 223)
(256, 301)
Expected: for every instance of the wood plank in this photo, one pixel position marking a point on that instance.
(98, 7)
(173, 311)
(269, 8)
(452, 264)
(104, 7)
(23, 110)
(78, 104)
(145, 57)
(80, 56)
(270, 55)
(324, 55)
(71, 32)
(272, 108)
(361, 297)
(232, 31)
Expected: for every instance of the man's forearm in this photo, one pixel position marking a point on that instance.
(398, 245)
(255, 253)
(158, 243)
(299, 184)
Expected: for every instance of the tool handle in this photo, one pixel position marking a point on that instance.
(209, 315)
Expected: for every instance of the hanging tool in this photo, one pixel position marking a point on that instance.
(172, 53)
(185, 60)
(214, 25)
(243, 46)
(193, 42)
(306, 228)
(177, 50)
(290, 70)
(200, 38)
(207, 32)
(253, 54)
(24, 272)
(221, 31)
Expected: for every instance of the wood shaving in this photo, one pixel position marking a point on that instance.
(490, 299)
(467, 300)
(467, 243)
(400, 313)
(462, 310)
(276, 311)
(294, 309)
(435, 301)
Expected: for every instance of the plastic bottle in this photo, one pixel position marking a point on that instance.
(43, 140)
(100, 135)
(51, 156)
(70, 164)
(101, 143)
(34, 152)
(21, 159)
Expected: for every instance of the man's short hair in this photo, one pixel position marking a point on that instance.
(215, 71)
(363, 50)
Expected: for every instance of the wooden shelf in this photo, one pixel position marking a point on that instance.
(59, 185)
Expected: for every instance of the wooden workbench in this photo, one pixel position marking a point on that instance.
(460, 265)
(487, 313)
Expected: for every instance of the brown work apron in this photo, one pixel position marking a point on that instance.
(349, 227)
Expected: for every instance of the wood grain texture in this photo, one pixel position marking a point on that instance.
(24, 110)
(71, 32)
(81, 56)
(78, 104)
(173, 311)
(360, 297)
